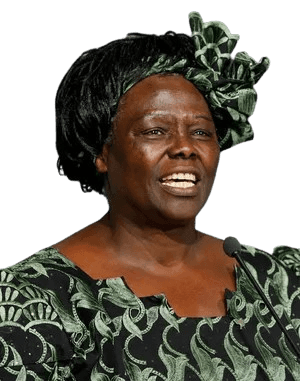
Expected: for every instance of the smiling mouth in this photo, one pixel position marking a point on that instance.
(185, 188)
(179, 184)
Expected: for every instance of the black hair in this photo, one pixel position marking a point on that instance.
(88, 96)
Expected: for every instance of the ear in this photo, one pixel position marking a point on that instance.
(101, 161)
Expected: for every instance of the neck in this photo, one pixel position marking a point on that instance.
(141, 242)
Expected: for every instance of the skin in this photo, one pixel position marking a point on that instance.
(163, 126)
(162, 122)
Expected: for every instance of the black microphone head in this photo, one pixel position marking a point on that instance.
(231, 246)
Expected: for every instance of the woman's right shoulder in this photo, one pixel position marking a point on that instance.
(34, 318)
(35, 265)
(38, 277)
(39, 321)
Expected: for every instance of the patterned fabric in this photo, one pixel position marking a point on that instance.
(226, 83)
(56, 323)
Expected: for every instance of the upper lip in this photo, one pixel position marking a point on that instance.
(190, 170)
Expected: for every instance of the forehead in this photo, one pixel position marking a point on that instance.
(164, 95)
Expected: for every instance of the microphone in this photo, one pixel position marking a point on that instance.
(232, 248)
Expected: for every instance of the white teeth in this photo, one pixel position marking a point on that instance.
(180, 176)
(183, 184)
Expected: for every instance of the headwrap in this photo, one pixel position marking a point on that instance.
(226, 83)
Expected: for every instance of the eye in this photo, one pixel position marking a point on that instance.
(154, 131)
(202, 133)
(198, 133)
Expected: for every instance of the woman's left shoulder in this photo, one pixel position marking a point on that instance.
(289, 257)
(284, 257)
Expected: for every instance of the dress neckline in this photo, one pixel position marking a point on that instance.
(228, 294)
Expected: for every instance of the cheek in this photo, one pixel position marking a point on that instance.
(151, 151)
(128, 167)
(122, 159)
(217, 156)
(143, 159)
(210, 158)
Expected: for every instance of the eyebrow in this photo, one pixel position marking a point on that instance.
(161, 113)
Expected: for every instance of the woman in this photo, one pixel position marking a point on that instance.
(140, 294)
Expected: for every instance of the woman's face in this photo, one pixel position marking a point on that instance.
(164, 156)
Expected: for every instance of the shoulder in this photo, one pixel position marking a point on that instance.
(279, 282)
(284, 257)
(37, 321)
(276, 274)
(289, 257)
(47, 271)
(46, 277)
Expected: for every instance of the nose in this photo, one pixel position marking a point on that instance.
(182, 146)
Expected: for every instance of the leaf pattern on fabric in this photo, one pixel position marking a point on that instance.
(210, 370)
(175, 366)
(273, 364)
(293, 364)
(57, 323)
(244, 367)
(289, 256)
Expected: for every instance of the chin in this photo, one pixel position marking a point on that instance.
(179, 215)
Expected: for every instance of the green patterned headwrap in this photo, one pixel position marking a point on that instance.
(226, 83)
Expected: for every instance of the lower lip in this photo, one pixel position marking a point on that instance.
(188, 192)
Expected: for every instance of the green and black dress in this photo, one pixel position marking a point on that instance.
(57, 323)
